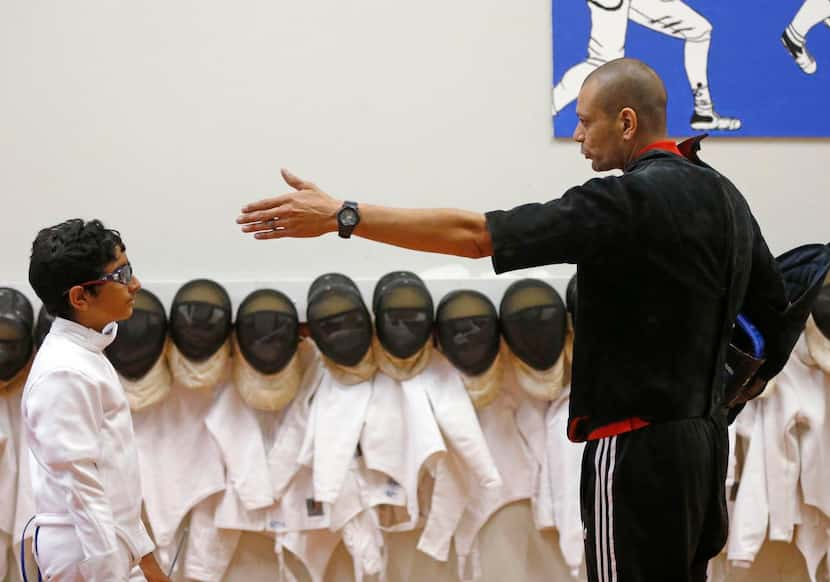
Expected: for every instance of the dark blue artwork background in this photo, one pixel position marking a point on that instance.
(751, 75)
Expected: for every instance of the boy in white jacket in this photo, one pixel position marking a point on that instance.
(77, 419)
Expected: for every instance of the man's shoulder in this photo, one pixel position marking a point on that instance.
(664, 173)
(659, 162)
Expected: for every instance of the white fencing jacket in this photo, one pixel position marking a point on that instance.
(8, 483)
(399, 440)
(85, 466)
(516, 465)
(812, 385)
(24, 502)
(180, 462)
(564, 469)
(750, 515)
(468, 459)
(339, 412)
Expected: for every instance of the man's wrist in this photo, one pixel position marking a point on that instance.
(331, 222)
(348, 217)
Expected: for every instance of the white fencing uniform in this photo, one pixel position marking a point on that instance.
(284, 459)
(216, 522)
(564, 467)
(534, 392)
(209, 548)
(813, 388)
(749, 520)
(400, 439)
(812, 539)
(311, 529)
(517, 467)
(339, 413)
(24, 505)
(180, 463)
(236, 430)
(8, 479)
(302, 523)
(458, 422)
(80, 437)
(467, 458)
(387, 455)
(781, 413)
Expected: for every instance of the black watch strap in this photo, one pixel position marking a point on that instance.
(348, 217)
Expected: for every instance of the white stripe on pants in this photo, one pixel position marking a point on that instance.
(604, 461)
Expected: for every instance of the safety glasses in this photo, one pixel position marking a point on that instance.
(122, 275)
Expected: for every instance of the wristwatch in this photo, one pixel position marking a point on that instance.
(348, 217)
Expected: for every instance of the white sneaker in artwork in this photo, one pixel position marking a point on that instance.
(713, 121)
(799, 54)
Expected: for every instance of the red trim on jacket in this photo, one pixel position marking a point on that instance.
(619, 427)
(665, 145)
(613, 429)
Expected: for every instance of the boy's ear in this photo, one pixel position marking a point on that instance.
(78, 298)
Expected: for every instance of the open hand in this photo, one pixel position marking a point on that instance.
(306, 212)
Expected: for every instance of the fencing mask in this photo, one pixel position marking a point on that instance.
(533, 323)
(570, 297)
(341, 327)
(43, 325)
(404, 316)
(821, 309)
(266, 367)
(570, 306)
(468, 334)
(817, 330)
(200, 325)
(138, 350)
(16, 344)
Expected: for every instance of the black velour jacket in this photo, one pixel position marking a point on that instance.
(668, 254)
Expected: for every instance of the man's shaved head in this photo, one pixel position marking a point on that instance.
(631, 83)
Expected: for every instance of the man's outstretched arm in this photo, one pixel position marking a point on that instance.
(310, 212)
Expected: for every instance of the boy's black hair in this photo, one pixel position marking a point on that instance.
(68, 254)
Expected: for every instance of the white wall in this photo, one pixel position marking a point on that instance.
(163, 118)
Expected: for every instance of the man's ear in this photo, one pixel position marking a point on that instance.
(629, 123)
(78, 298)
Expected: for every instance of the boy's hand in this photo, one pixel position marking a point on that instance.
(151, 569)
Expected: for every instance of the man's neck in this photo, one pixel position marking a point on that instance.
(641, 143)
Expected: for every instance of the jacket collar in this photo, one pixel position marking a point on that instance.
(84, 336)
(688, 149)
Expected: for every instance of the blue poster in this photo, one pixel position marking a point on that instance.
(754, 69)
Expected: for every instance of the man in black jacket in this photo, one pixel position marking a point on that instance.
(667, 253)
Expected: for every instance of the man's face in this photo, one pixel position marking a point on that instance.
(114, 301)
(598, 133)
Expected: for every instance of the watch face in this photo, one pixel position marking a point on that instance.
(348, 217)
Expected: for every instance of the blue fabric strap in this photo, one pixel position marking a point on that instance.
(23, 551)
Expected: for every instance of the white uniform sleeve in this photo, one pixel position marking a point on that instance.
(459, 424)
(63, 416)
(449, 500)
(237, 434)
(8, 478)
(748, 527)
(8, 475)
(782, 455)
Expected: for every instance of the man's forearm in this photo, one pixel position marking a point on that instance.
(437, 230)
(310, 212)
